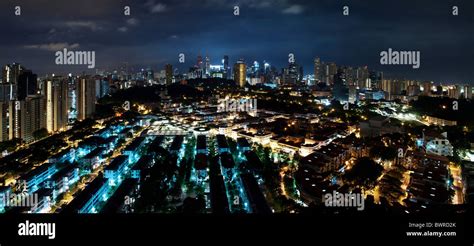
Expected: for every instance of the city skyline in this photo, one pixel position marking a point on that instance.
(353, 114)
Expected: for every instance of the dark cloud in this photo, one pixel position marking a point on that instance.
(158, 30)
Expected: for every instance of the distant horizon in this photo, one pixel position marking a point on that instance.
(157, 31)
(136, 68)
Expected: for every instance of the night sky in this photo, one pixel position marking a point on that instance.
(158, 30)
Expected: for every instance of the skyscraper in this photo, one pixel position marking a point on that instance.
(102, 87)
(350, 76)
(255, 69)
(199, 62)
(15, 119)
(27, 84)
(340, 89)
(427, 88)
(413, 90)
(208, 67)
(85, 98)
(453, 93)
(225, 63)
(240, 73)
(331, 71)
(72, 98)
(56, 94)
(169, 74)
(391, 87)
(26, 117)
(375, 80)
(10, 73)
(363, 78)
(468, 92)
(293, 74)
(3, 121)
(7, 91)
(34, 115)
(9, 85)
(317, 69)
(459, 90)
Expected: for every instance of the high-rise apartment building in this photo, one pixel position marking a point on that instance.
(26, 117)
(240, 73)
(86, 97)
(55, 92)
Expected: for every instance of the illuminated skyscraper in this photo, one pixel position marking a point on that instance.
(255, 68)
(317, 69)
(240, 73)
(330, 72)
(266, 67)
(208, 67)
(199, 62)
(392, 87)
(225, 63)
(11, 73)
(102, 87)
(26, 117)
(85, 98)
(468, 92)
(413, 90)
(34, 116)
(363, 78)
(453, 93)
(56, 94)
(293, 74)
(72, 99)
(459, 90)
(15, 120)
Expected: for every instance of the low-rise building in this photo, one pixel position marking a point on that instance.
(327, 159)
(222, 145)
(61, 181)
(243, 145)
(94, 159)
(33, 180)
(114, 171)
(437, 144)
(201, 145)
(88, 200)
(432, 120)
(429, 182)
(142, 164)
(133, 149)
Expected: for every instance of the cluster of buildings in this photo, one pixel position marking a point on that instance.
(62, 171)
(353, 84)
(314, 172)
(344, 83)
(29, 104)
(378, 126)
(119, 171)
(45, 183)
(430, 180)
(65, 99)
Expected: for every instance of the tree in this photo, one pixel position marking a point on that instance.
(10, 145)
(365, 172)
(41, 133)
(385, 153)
